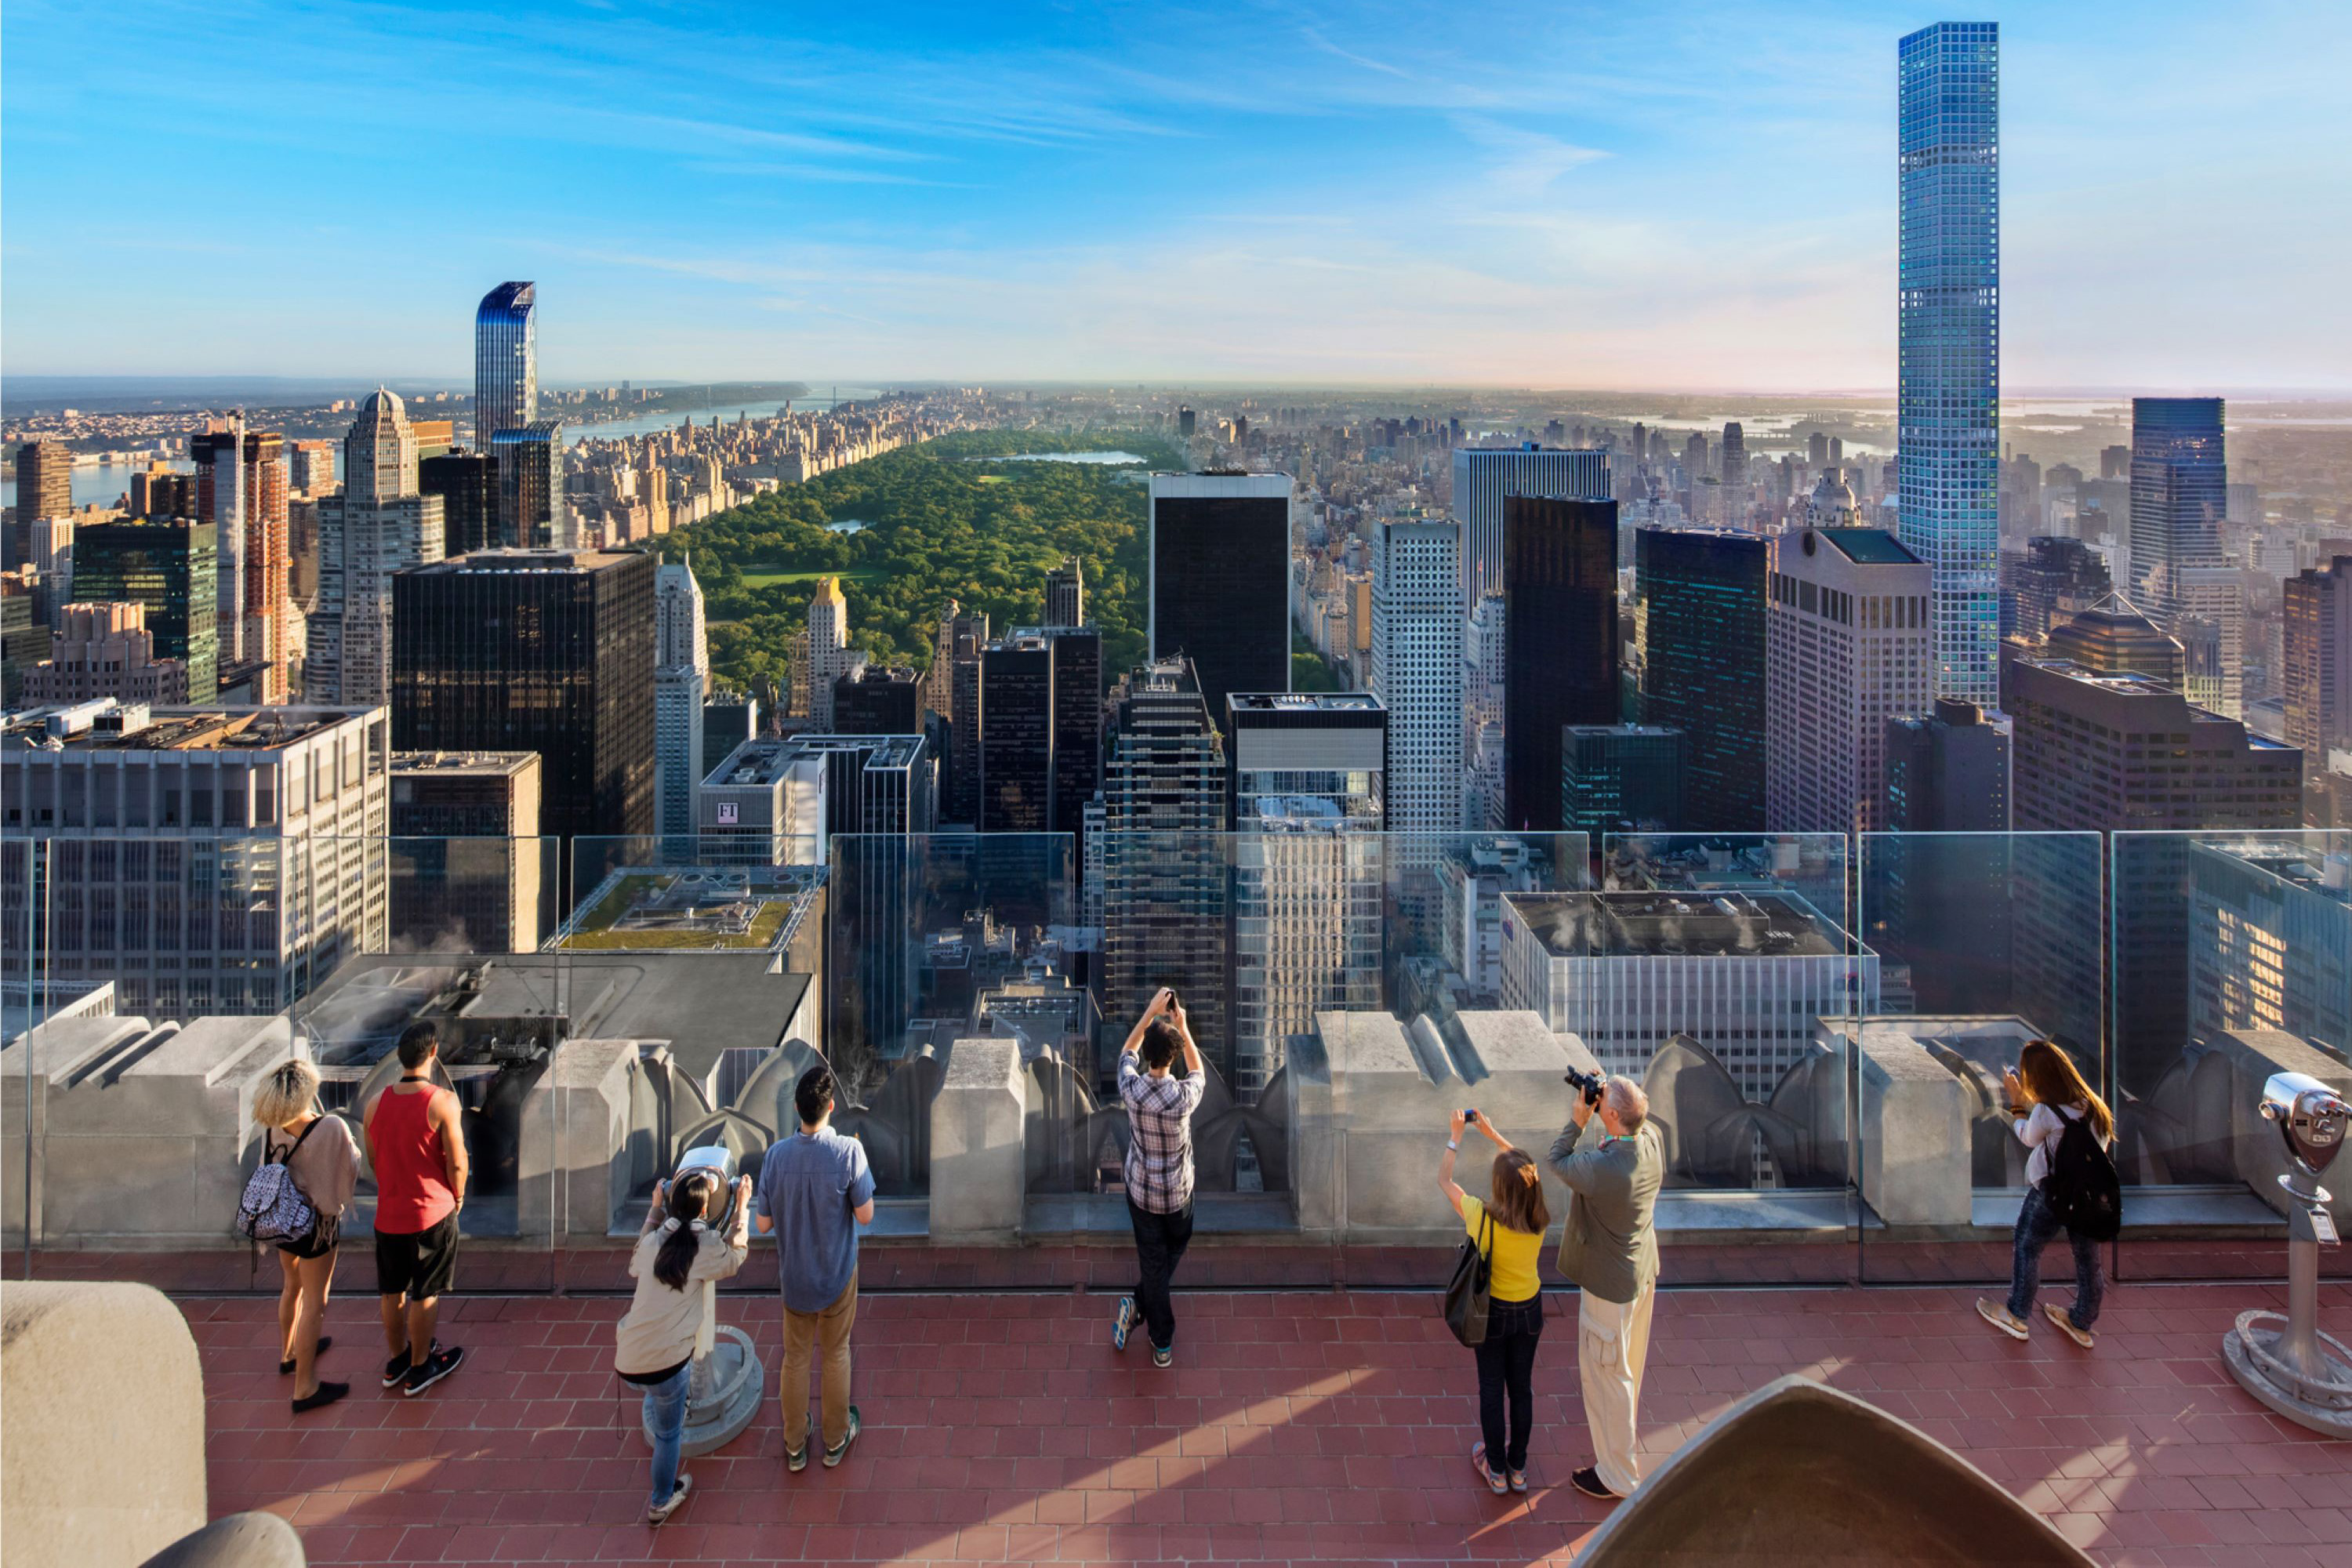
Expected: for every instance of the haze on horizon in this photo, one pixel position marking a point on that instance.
(1696, 199)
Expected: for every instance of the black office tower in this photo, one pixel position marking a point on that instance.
(550, 651)
(468, 484)
(878, 700)
(1701, 619)
(1221, 580)
(1077, 723)
(173, 568)
(1016, 735)
(1559, 643)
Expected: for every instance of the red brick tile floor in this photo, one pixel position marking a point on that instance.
(1320, 1426)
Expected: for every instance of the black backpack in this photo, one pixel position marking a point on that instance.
(2084, 1192)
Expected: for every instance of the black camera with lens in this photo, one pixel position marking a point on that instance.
(1588, 1084)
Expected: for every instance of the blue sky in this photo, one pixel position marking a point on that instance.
(1695, 196)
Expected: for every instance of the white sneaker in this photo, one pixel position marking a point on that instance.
(661, 1515)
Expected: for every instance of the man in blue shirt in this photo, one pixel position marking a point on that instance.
(816, 1190)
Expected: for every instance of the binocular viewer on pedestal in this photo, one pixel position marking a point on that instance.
(724, 1389)
(2286, 1363)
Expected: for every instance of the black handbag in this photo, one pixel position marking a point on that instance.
(1466, 1298)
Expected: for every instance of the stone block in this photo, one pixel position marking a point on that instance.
(104, 1465)
(2259, 1156)
(573, 1171)
(1368, 1126)
(979, 1167)
(1914, 1132)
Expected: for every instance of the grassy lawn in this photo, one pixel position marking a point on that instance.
(759, 579)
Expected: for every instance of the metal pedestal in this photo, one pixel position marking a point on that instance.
(2285, 1362)
(723, 1395)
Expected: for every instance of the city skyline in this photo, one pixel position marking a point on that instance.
(1677, 203)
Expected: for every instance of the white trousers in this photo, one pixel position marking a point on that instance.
(1612, 1344)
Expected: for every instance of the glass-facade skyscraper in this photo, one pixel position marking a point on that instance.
(172, 567)
(1699, 597)
(2179, 484)
(1949, 397)
(506, 362)
(1559, 643)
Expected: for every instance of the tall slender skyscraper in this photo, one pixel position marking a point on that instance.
(1417, 673)
(681, 676)
(1949, 397)
(1220, 591)
(506, 362)
(828, 649)
(2179, 491)
(1483, 478)
(2318, 648)
(1559, 643)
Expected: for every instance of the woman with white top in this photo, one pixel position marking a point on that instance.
(2043, 1094)
(676, 1251)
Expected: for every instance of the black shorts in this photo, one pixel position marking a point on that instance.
(318, 1244)
(420, 1264)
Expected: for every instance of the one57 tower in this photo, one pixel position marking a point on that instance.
(506, 362)
(1949, 398)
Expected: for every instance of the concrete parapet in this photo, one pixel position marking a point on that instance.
(1367, 1120)
(1914, 1153)
(978, 1120)
(139, 1129)
(105, 1459)
(2257, 1152)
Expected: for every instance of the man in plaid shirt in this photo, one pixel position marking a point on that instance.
(1159, 1165)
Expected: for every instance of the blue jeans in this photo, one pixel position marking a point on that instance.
(666, 1413)
(2037, 1224)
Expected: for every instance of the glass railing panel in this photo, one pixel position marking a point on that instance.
(1985, 941)
(1725, 976)
(698, 966)
(2231, 959)
(449, 931)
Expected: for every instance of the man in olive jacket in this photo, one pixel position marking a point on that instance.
(1613, 1165)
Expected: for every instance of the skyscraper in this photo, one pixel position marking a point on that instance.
(169, 567)
(878, 700)
(828, 649)
(1948, 325)
(1065, 594)
(1016, 735)
(2112, 638)
(1622, 777)
(1847, 648)
(2057, 579)
(681, 676)
(2110, 752)
(533, 511)
(2179, 494)
(2318, 676)
(248, 504)
(506, 362)
(378, 525)
(1220, 591)
(44, 480)
(1699, 598)
(1735, 475)
(1417, 671)
(1485, 479)
(1947, 772)
(1307, 867)
(1165, 883)
(551, 651)
(1559, 643)
(468, 484)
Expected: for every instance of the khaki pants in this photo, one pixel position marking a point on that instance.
(802, 1331)
(1612, 1344)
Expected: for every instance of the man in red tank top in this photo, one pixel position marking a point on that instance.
(417, 1148)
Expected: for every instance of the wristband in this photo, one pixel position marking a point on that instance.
(1452, 1145)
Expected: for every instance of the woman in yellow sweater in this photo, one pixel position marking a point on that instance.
(1510, 1224)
